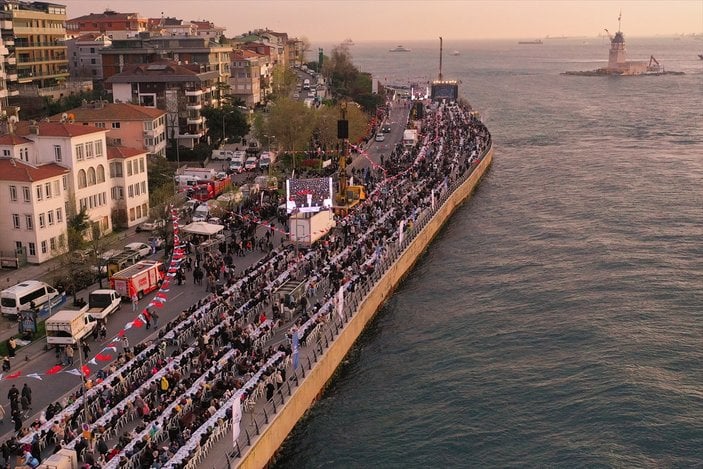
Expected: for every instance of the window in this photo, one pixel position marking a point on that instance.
(139, 211)
(57, 189)
(143, 184)
(59, 215)
(117, 193)
(57, 153)
(98, 144)
(141, 165)
(129, 168)
(101, 173)
(80, 152)
(6, 153)
(47, 190)
(131, 214)
(115, 125)
(82, 204)
(13, 193)
(64, 182)
(89, 150)
(82, 181)
(42, 221)
(39, 192)
(29, 222)
(50, 217)
(100, 125)
(25, 193)
(52, 243)
(148, 125)
(130, 190)
(136, 189)
(43, 247)
(144, 210)
(32, 249)
(115, 170)
(91, 176)
(16, 221)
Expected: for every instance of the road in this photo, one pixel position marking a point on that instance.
(53, 388)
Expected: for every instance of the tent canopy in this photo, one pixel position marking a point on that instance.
(202, 228)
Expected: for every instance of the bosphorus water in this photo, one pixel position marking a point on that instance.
(558, 318)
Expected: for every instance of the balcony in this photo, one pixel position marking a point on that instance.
(5, 24)
(12, 76)
(194, 92)
(194, 106)
(195, 120)
(11, 61)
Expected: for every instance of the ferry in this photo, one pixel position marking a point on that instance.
(399, 48)
(455, 53)
(536, 41)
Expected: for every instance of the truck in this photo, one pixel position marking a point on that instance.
(64, 459)
(138, 279)
(69, 327)
(306, 84)
(200, 173)
(266, 183)
(409, 137)
(207, 189)
(307, 228)
(102, 303)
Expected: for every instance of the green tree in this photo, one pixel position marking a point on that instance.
(76, 229)
(284, 81)
(235, 123)
(292, 123)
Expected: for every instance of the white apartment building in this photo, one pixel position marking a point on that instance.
(33, 213)
(129, 192)
(50, 171)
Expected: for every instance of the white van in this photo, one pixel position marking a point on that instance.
(201, 213)
(19, 298)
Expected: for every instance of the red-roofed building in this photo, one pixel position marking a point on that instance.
(127, 124)
(33, 211)
(110, 23)
(251, 78)
(84, 59)
(71, 161)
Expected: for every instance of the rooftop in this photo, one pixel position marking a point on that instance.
(12, 169)
(120, 152)
(92, 112)
(56, 129)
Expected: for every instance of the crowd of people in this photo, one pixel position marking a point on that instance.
(179, 387)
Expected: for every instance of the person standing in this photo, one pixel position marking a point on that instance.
(12, 347)
(27, 392)
(125, 344)
(69, 354)
(86, 349)
(135, 302)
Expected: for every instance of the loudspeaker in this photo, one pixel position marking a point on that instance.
(342, 129)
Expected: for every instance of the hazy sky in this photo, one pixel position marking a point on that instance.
(405, 20)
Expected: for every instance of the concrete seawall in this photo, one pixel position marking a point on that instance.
(264, 447)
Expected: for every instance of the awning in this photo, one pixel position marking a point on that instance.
(202, 228)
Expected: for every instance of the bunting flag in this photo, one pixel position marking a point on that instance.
(35, 376)
(296, 345)
(137, 322)
(236, 419)
(93, 361)
(103, 357)
(53, 370)
(86, 371)
(74, 371)
(14, 375)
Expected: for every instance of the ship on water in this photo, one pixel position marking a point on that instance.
(399, 48)
(618, 65)
(536, 41)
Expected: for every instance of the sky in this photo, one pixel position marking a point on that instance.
(406, 20)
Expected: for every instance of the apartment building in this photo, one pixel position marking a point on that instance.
(33, 211)
(110, 23)
(84, 59)
(249, 71)
(180, 90)
(129, 191)
(127, 125)
(33, 33)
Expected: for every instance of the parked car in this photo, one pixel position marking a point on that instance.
(386, 128)
(380, 137)
(151, 225)
(142, 248)
(251, 163)
(236, 166)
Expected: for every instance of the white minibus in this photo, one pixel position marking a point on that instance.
(19, 298)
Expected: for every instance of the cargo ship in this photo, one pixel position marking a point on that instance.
(399, 48)
(536, 41)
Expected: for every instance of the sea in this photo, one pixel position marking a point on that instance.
(557, 319)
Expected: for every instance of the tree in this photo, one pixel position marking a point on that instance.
(76, 229)
(235, 123)
(292, 124)
(284, 81)
(326, 118)
(304, 47)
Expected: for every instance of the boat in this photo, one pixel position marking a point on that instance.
(536, 41)
(399, 48)
(455, 53)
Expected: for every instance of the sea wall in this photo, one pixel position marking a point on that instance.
(264, 447)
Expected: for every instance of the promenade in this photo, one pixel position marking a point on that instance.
(236, 347)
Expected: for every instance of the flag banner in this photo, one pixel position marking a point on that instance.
(35, 376)
(296, 345)
(432, 199)
(340, 303)
(103, 357)
(54, 369)
(14, 375)
(92, 361)
(74, 371)
(401, 232)
(236, 419)
(86, 371)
